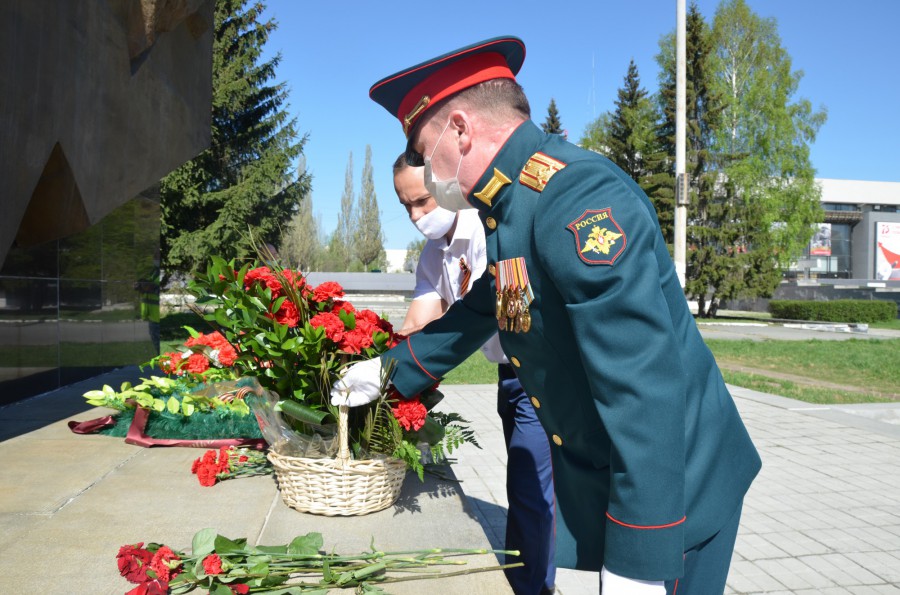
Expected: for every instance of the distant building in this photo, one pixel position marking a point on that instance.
(859, 235)
(395, 260)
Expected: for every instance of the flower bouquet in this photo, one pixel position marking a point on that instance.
(295, 339)
(196, 400)
(224, 566)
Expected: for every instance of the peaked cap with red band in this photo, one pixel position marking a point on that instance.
(411, 92)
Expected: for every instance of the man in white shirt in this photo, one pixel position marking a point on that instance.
(452, 258)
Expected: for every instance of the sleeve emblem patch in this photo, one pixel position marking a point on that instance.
(598, 238)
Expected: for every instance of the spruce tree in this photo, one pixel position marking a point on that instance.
(244, 184)
(369, 245)
(703, 107)
(552, 125)
(628, 134)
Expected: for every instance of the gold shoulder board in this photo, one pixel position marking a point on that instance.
(538, 171)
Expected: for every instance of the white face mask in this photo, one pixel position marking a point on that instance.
(446, 193)
(435, 224)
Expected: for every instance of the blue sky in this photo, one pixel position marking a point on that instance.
(577, 53)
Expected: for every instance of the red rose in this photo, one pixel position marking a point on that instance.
(240, 589)
(334, 326)
(287, 314)
(133, 562)
(197, 363)
(410, 413)
(166, 564)
(212, 564)
(328, 289)
(154, 587)
(243, 459)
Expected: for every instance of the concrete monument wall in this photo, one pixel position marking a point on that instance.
(99, 99)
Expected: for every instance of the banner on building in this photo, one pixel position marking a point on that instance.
(887, 250)
(820, 244)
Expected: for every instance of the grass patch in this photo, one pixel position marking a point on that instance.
(786, 388)
(171, 326)
(477, 369)
(866, 363)
(889, 324)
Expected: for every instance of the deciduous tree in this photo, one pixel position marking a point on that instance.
(369, 240)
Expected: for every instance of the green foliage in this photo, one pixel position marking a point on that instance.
(753, 198)
(179, 396)
(368, 246)
(552, 125)
(301, 244)
(413, 252)
(341, 245)
(628, 134)
(246, 179)
(834, 310)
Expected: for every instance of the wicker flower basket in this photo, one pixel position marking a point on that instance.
(341, 486)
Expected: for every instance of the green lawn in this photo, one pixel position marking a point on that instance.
(866, 363)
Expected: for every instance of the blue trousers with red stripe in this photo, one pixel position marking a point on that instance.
(529, 489)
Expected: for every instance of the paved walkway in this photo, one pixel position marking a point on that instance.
(822, 517)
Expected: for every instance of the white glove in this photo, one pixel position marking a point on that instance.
(613, 584)
(358, 384)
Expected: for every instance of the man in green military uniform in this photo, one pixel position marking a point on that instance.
(651, 460)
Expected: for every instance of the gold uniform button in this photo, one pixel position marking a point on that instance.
(557, 440)
(491, 223)
(492, 269)
(515, 361)
(535, 402)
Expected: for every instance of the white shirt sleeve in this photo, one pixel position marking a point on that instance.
(428, 272)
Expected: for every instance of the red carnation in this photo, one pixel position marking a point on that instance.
(410, 413)
(287, 314)
(227, 355)
(264, 276)
(342, 305)
(133, 562)
(154, 587)
(165, 563)
(212, 564)
(328, 289)
(170, 362)
(197, 363)
(334, 326)
(355, 341)
(223, 459)
(207, 474)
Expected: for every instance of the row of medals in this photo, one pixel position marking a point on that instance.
(512, 310)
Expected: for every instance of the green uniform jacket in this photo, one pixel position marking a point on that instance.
(650, 456)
